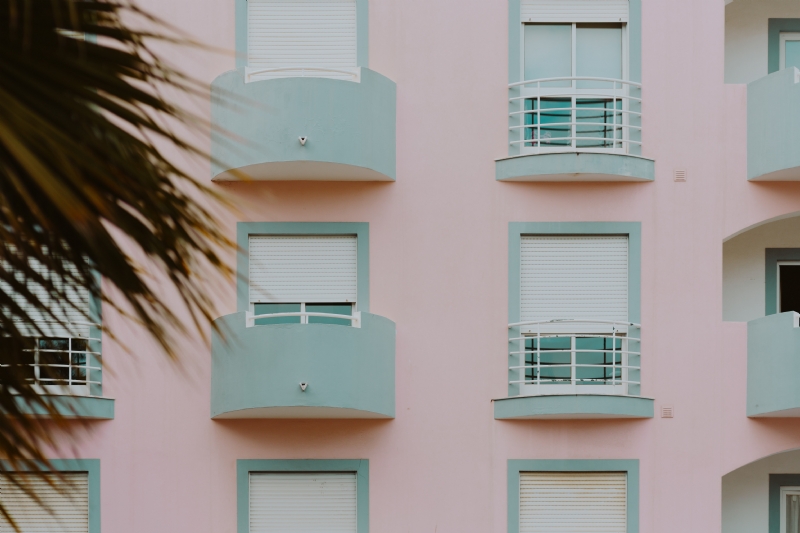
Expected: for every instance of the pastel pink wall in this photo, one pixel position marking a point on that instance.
(438, 265)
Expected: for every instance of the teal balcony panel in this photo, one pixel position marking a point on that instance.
(773, 131)
(773, 366)
(349, 128)
(85, 407)
(575, 166)
(572, 406)
(348, 372)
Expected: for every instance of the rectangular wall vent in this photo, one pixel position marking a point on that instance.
(667, 411)
(680, 175)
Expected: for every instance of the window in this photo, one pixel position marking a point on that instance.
(301, 38)
(303, 502)
(300, 277)
(788, 286)
(571, 501)
(64, 499)
(789, 49)
(790, 509)
(576, 89)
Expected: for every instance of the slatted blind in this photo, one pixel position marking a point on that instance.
(303, 503)
(575, 277)
(292, 33)
(574, 10)
(76, 312)
(303, 268)
(66, 504)
(573, 502)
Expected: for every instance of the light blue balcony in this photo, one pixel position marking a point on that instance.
(773, 366)
(773, 131)
(304, 128)
(303, 370)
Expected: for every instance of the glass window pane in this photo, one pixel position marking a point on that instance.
(792, 513)
(554, 359)
(789, 284)
(553, 120)
(792, 54)
(335, 309)
(605, 370)
(603, 121)
(598, 53)
(264, 309)
(548, 52)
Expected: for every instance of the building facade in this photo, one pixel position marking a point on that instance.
(505, 266)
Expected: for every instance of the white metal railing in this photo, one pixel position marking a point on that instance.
(255, 73)
(571, 356)
(590, 115)
(354, 319)
(63, 361)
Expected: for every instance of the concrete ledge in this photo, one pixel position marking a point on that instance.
(575, 166)
(90, 407)
(573, 406)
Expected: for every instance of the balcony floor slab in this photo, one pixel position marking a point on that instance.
(575, 166)
(572, 406)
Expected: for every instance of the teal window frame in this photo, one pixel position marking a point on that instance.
(362, 33)
(633, 230)
(245, 466)
(776, 481)
(91, 467)
(771, 258)
(245, 229)
(775, 28)
(629, 466)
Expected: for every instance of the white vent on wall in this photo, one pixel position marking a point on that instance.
(574, 11)
(680, 175)
(667, 411)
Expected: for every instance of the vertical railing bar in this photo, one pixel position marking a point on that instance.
(573, 362)
(538, 356)
(613, 356)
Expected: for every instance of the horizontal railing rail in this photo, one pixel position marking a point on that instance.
(587, 119)
(354, 319)
(575, 356)
(301, 72)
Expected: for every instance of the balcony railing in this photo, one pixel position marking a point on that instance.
(354, 319)
(575, 357)
(257, 73)
(569, 114)
(64, 362)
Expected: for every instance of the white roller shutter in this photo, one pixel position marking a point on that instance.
(301, 33)
(573, 502)
(67, 501)
(303, 503)
(574, 10)
(303, 268)
(75, 313)
(574, 277)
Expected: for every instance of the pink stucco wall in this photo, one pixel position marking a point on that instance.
(438, 242)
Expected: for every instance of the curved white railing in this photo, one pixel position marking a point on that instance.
(573, 356)
(578, 123)
(64, 361)
(354, 319)
(255, 74)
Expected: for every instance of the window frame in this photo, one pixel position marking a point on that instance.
(773, 257)
(629, 466)
(245, 466)
(776, 483)
(362, 33)
(774, 29)
(245, 229)
(786, 36)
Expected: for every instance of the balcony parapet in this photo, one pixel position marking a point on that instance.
(295, 125)
(303, 370)
(574, 369)
(773, 131)
(773, 366)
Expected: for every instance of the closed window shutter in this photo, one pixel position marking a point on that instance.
(303, 503)
(66, 503)
(574, 10)
(573, 502)
(73, 310)
(574, 277)
(300, 268)
(297, 33)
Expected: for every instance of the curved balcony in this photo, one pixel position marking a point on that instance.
(773, 131)
(575, 129)
(773, 364)
(303, 124)
(574, 369)
(303, 370)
